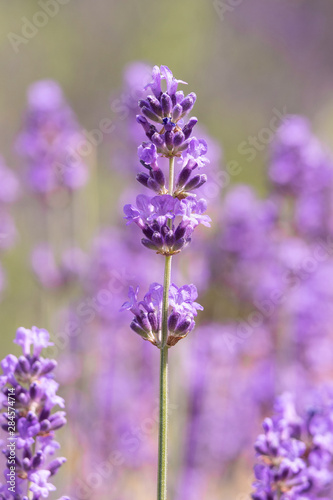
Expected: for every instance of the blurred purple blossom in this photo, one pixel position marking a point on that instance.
(50, 141)
(295, 453)
(299, 164)
(49, 273)
(9, 185)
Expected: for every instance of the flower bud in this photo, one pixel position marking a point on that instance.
(158, 176)
(188, 103)
(169, 140)
(148, 244)
(177, 112)
(153, 321)
(151, 115)
(157, 139)
(142, 177)
(178, 139)
(196, 182)
(173, 320)
(166, 104)
(143, 121)
(187, 129)
(155, 105)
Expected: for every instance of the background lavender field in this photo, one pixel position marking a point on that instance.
(250, 65)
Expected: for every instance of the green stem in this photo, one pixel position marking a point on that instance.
(163, 428)
(171, 174)
(30, 493)
(163, 414)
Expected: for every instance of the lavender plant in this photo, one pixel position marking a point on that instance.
(28, 396)
(167, 221)
(295, 453)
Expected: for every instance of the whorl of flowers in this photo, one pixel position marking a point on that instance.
(29, 396)
(148, 312)
(51, 141)
(168, 219)
(167, 222)
(295, 453)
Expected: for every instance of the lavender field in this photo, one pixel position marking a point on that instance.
(166, 250)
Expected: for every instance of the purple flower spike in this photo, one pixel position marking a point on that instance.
(295, 453)
(29, 388)
(169, 219)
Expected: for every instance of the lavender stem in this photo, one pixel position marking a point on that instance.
(163, 414)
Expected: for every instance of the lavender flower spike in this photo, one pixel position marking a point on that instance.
(295, 454)
(28, 395)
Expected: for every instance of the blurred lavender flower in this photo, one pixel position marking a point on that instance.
(29, 394)
(9, 186)
(8, 233)
(49, 274)
(246, 222)
(226, 391)
(127, 134)
(278, 279)
(299, 31)
(114, 367)
(299, 164)
(50, 141)
(9, 192)
(246, 245)
(295, 453)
